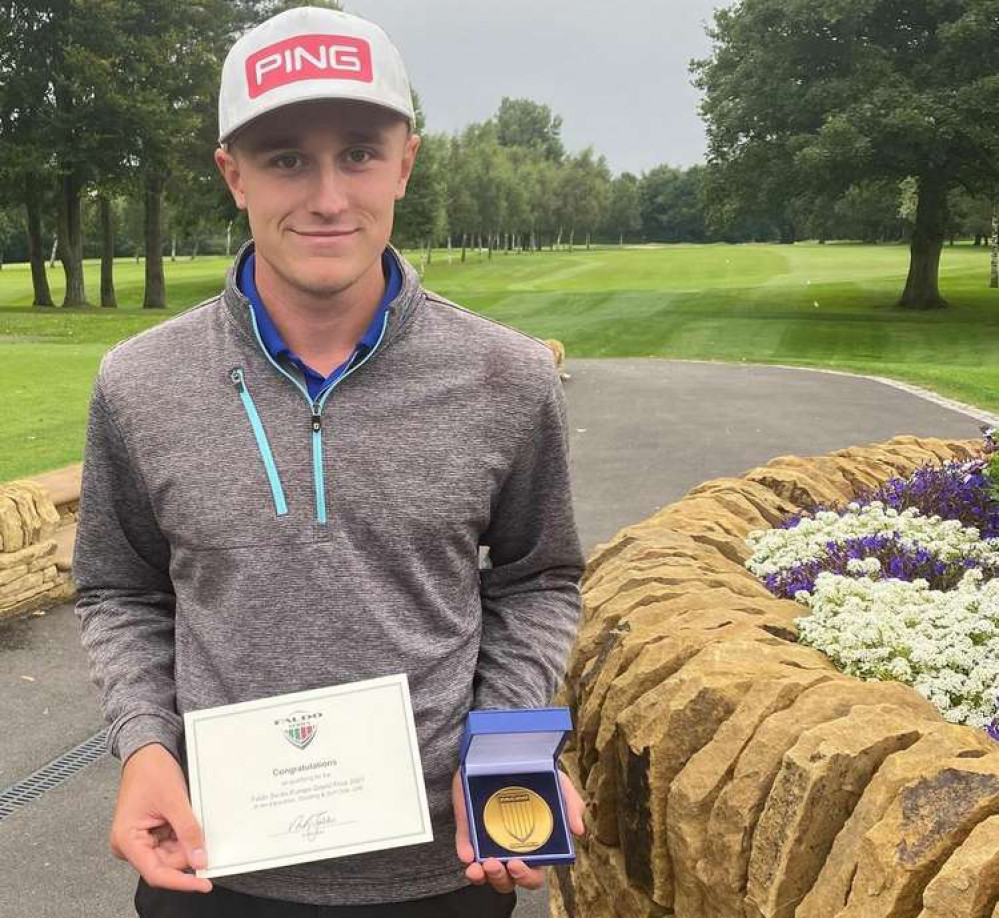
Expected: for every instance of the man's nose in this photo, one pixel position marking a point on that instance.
(328, 196)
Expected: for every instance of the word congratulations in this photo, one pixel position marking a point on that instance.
(297, 769)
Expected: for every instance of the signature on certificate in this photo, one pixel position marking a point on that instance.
(311, 825)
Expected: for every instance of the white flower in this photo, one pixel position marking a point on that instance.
(943, 644)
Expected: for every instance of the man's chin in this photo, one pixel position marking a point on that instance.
(322, 283)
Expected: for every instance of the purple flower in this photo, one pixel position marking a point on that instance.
(899, 561)
(965, 491)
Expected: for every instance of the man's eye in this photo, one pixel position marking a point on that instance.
(286, 161)
(359, 157)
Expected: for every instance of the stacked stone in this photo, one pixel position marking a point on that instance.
(29, 576)
(733, 773)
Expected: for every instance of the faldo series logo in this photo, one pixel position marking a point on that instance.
(299, 728)
(308, 57)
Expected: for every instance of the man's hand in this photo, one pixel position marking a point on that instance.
(504, 877)
(154, 828)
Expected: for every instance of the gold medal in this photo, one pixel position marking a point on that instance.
(518, 819)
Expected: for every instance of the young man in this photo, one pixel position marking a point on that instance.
(287, 487)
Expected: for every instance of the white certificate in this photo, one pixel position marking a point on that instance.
(307, 776)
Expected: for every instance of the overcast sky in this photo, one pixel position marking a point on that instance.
(615, 71)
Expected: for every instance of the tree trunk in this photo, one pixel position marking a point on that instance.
(587, 242)
(449, 248)
(71, 241)
(558, 241)
(489, 245)
(463, 241)
(922, 290)
(173, 247)
(572, 237)
(195, 247)
(228, 239)
(430, 250)
(994, 277)
(39, 279)
(108, 299)
(55, 247)
(155, 294)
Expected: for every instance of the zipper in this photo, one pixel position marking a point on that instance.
(316, 408)
(263, 445)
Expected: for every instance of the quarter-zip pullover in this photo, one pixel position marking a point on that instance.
(238, 540)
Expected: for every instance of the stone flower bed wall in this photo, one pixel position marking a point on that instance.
(733, 773)
(37, 525)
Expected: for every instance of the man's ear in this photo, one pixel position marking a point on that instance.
(408, 161)
(229, 167)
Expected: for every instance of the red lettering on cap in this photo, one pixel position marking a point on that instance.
(308, 57)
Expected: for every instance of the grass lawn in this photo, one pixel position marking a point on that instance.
(809, 305)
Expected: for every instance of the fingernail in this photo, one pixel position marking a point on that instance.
(199, 858)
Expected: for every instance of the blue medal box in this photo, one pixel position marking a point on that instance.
(516, 748)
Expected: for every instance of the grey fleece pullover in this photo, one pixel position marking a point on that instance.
(198, 588)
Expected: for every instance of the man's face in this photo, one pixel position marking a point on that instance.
(319, 182)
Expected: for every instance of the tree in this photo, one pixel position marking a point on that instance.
(624, 215)
(172, 79)
(462, 205)
(10, 226)
(869, 211)
(421, 215)
(672, 204)
(25, 156)
(529, 124)
(994, 273)
(583, 194)
(810, 94)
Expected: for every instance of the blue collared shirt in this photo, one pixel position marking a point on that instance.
(275, 344)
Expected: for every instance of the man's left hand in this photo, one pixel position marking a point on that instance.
(505, 877)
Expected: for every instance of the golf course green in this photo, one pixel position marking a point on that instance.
(813, 305)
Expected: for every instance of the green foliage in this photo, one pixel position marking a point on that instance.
(530, 125)
(421, 215)
(624, 216)
(672, 204)
(807, 94)
(993, 472)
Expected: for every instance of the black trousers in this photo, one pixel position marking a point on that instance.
(467, 902)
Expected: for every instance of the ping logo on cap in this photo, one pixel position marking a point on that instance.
(308, 57)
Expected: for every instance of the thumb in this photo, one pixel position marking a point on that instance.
(179, 814)
(466, 853)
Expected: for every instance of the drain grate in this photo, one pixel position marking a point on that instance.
(52, 775)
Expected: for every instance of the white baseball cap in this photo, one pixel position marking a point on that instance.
(310, 53)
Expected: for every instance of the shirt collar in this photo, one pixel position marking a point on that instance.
(269, 334)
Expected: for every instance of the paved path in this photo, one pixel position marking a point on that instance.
(643, 432)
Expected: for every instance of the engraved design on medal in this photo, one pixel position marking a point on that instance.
(518, 819)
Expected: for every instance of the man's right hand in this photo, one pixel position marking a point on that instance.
(154, 828)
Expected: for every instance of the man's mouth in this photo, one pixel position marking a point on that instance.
(325, 234)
